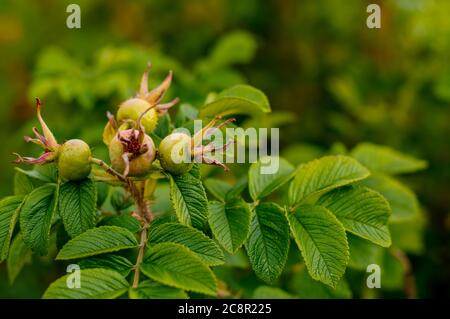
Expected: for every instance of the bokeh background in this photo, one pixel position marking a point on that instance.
(332, 82)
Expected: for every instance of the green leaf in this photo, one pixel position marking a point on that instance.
(204, 247)
(109, 261)
(267, 292)
(260, 184)
(95, 284)
(386, 160)
(362, 252)
(125, 221)
(44, 173)
(239, 99)
(230, 223)
(9, 211)
(189, 199)
(149, 289)
(77, 206)
(176, 266)
(22, 184)
(307, 288)
(19, 255)
(362, 211)
(36, 217)
(324, 174)
(268, 242)
(403, 201)
(235, 47)
(322, 241)
(217, 188)
(95, 241)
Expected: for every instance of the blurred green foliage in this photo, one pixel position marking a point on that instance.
(332, 82)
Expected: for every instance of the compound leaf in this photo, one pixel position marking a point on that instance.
(362, 211)
(95, 241)
(230, 223)
(94, 284)
(322, 241)
(176, 266)
(77, 206)
(324, 174)
(268, 242)
(189, 199)
(203, 246)
(36, 217)
(9, 211)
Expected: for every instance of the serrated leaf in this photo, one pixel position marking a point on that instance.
(95, 284)
(260, 185)
(95, 241)
(362, 211)
(125, 221)
(322, 241)
(36, 217)
(19, 255)
(230, 223)
(176, 266)
(149, 289)
(77, 206)
(383, 159)
(268, 242)
(204, 247)
(217, 188)
(9, 211)
(402, 200)
(189, 199)
(324, 174)
(109, 261)
(267, 292)
(22, 184)
(239, 99)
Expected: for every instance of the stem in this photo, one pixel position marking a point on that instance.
(145, 216)
(143, 213)
(140, 257)
(109, 169)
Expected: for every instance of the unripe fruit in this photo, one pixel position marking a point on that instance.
(133, 108)
(74, 160)
(174, 153)
(141, 155)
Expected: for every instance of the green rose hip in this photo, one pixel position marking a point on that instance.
(74, 158)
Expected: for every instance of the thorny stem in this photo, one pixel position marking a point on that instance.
(143, 213)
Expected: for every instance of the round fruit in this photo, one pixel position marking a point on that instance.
(133, 108)
(174, 153)
(74, 160)
(140, 158)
